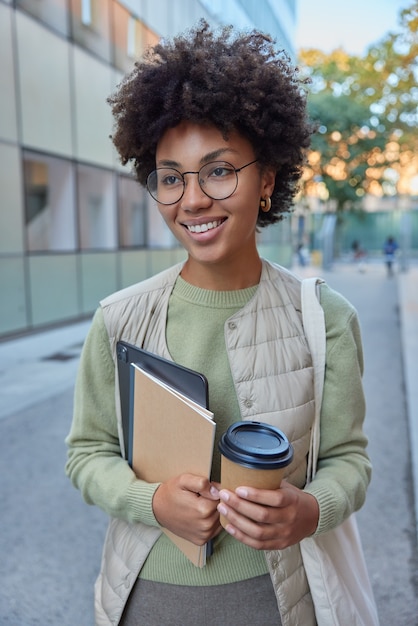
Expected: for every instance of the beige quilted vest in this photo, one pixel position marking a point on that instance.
(272, 371)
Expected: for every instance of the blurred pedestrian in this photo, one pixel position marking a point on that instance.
(359, 255)
(390, 248)
(303, 254)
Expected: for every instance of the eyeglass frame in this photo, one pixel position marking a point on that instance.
(235, 169)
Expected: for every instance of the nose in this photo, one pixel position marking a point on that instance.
(194, 198)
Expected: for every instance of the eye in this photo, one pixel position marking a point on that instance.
(168, 179)
(219, 170)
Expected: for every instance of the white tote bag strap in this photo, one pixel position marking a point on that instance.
(334, 561)
(314, 326)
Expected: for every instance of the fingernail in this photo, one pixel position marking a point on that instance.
(224, 495)
(242, 492)
(222, 509)
(214, 492)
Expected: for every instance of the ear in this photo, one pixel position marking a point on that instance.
(268, 180)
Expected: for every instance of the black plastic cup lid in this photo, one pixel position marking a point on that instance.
(256, 445)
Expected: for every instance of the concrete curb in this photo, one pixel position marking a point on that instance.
(408, 303)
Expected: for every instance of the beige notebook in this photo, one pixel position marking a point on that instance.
(172, 435)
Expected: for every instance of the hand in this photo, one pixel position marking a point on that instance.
(269, 519)
(186, 505)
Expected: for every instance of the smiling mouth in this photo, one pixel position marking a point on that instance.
(203, 228)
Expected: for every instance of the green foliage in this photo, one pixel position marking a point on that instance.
(366, 113)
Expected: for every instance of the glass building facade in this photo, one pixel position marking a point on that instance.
(74, 225)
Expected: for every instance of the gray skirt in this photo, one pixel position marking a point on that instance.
(250, 601)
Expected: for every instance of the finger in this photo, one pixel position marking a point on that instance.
(274, 498)
(211, 493)
(197, 484)
(258, 526)
(253, 534)
(207, 509)
(239, 511)
(275, 542)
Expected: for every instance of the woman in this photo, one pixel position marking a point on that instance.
(216, 127)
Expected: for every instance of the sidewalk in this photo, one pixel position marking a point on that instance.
(39, 366)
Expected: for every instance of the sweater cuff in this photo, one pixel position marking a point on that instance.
(327, 507)
(139, 497)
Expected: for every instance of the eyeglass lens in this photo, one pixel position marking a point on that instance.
(217, 179)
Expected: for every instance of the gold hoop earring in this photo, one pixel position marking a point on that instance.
(265, 204)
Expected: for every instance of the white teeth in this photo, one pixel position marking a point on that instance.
(202, 228)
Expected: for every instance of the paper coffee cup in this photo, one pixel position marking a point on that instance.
(253, 454)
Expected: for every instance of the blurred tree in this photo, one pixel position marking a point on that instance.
(366, 111)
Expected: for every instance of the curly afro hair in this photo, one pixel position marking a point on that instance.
(235, 82)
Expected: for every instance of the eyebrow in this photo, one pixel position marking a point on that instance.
(211, 156)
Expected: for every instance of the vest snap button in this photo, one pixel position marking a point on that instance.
(248, 404)
(232, 325)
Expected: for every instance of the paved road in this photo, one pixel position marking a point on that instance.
(50, 541)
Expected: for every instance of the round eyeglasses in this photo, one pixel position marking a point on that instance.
(217, 179)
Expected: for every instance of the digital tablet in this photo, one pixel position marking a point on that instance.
(187, 381)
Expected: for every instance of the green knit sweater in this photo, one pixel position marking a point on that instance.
(195, 339)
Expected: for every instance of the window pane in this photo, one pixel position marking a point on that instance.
(132, 200)
(96, 204)
(86, 12)
(120, 37)
(90, 23)
(49, 203)
(8, 99)
(130, 37)
(54, 13)
(45, 82)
